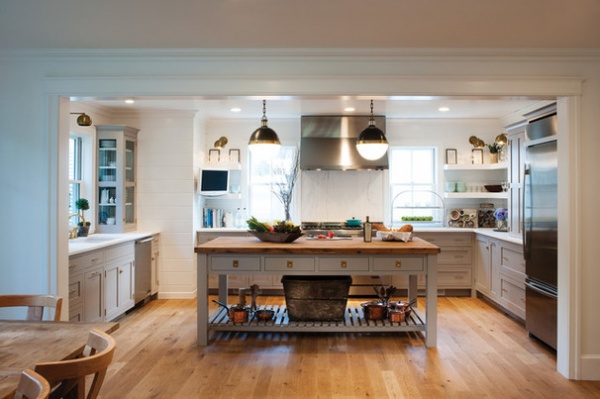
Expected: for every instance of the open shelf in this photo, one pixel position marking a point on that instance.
(354, 321)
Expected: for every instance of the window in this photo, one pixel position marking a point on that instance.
(267, 175)
(80, 167)
(413, 183)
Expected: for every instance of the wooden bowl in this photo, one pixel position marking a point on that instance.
(494, 188)
(267, 236)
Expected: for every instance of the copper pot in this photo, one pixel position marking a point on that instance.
(238, 314)
(396, 316)
(402, 306)
(374, 310)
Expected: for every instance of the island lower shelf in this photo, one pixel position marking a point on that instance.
(354, 321)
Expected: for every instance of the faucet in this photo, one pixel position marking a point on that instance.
(73, 231)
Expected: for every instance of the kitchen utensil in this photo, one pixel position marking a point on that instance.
(237, 313)
(374, 310)
(264, 314)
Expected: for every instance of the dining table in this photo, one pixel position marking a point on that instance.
(23, 344)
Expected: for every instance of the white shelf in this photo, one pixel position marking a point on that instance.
(476, 195)
(486, 166)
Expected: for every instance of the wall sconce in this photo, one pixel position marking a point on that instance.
(83, 119)
(476, 142)
(501, 139)
(221, 142)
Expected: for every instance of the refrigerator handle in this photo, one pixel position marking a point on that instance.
(540, 290)
(524, 227)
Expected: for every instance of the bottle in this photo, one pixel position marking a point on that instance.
(367, 230)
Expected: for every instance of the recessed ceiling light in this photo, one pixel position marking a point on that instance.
(129, 101)
(349, 109)
(443, 109)
(235, 109)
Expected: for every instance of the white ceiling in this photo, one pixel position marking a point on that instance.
(277, 107)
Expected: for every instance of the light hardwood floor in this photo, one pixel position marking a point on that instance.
(481, 353)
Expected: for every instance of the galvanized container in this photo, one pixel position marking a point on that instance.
(316, 298)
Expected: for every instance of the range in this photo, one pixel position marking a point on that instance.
(361, 285)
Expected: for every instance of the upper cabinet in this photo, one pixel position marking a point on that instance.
(516, 137)
(470, 181)
(116, 188)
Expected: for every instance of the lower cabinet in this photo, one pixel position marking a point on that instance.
(500, 273)
(101, 283)
(455, 261)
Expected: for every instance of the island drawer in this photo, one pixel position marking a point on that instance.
(235, 263)
(343, 263)
(398, 263)
(286, 263)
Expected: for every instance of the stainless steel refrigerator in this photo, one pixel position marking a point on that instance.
(540, 230)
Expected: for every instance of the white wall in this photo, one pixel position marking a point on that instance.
(29, 129)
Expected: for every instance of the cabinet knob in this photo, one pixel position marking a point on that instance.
(398, 264)
(290, 264)
(120, 271)
(344, 264)
(236, 263)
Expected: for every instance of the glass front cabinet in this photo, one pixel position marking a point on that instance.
(116, 173)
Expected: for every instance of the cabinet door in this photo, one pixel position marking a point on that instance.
(155, 265)
(119, 289)
(483, 265)
(515, 193)
(93, 295)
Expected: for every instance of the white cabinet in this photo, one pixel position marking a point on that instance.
(516, 138)
(455, 261)
(116, 191)
(101, 283)
(501, 273)
(93, 295)
(119, 281)
(155, 265)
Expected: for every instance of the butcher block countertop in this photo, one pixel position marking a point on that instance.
(306, 246)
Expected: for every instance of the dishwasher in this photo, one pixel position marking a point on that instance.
(143, 269)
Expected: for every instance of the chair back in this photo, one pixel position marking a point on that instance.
(35, 304)
(68, 376)
(32, 386)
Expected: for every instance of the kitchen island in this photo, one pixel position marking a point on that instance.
(313, 257)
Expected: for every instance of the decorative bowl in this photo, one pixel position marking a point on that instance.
(268, 236)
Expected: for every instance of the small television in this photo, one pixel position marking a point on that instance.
(213, 181)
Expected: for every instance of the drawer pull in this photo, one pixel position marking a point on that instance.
(344, 264)
(398, 264)
(458, 256)
(94, 259)
(290, 264)
(72, 292)
(236, 263)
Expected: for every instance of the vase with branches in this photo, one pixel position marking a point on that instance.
(286, 174)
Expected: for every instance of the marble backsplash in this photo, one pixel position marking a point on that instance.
(340, 195)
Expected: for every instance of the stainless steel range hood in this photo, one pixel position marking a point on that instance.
(329, 143)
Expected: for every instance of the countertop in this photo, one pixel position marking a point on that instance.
(97, 241)
(307, 246)
(486, 232)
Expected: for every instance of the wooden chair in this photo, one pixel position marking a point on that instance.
(67, 377)
(34, 303)
(32, 386)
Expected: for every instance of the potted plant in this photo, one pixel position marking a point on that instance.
(82, 205)
(494, 148)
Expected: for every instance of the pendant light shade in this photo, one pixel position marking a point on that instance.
(371, 143)
(264, 139)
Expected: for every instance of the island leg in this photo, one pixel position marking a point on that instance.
(431, 302)
(202, 299)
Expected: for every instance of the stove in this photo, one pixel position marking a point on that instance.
(361, 285)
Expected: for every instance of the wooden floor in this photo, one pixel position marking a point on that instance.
(481, 353)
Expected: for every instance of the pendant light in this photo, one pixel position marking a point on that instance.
(264, 139)
(371, 143)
